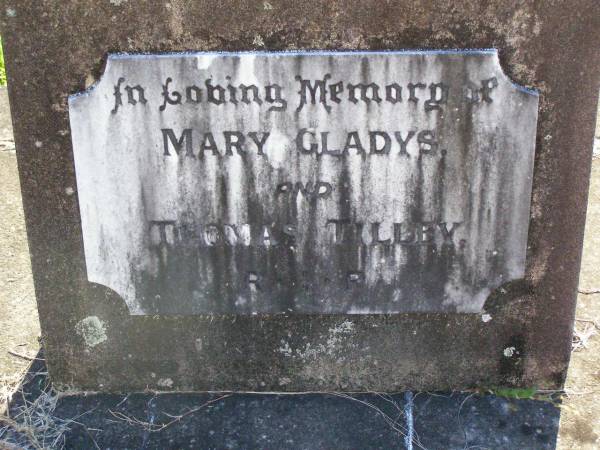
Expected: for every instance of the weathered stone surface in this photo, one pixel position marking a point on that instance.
(523, 334)
(372, 182)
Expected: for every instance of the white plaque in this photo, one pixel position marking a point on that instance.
(325, 182)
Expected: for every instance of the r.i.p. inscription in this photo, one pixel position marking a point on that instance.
(363, 182)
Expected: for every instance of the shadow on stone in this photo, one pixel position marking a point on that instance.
(317, 420)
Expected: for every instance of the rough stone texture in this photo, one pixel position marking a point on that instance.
(199, 195)
(550, 48)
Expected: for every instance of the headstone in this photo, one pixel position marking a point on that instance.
(245, 217)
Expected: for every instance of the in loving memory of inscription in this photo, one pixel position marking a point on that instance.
(330, 182)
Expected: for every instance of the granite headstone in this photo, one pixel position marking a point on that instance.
(210, 208)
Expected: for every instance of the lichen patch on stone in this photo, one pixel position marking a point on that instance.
(331, 343)
(509, 351)
(165, 383)
(92, 330)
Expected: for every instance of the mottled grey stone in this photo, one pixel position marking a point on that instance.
(521, 335)
(369, 182)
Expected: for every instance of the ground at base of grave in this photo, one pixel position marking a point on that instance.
(241, 421)
(459, 420)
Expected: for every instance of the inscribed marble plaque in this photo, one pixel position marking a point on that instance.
(304, 182)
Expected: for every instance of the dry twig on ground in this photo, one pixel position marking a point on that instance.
(156, 427)
(32, 425)
(583, 335)
(589, 291)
